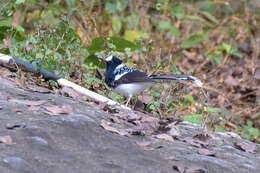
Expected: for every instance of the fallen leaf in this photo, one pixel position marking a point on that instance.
(107, 108)
(145, 98)
(179, 168)
(195, 170)
(15, 110)
(149, 119)
(34, 108)
(38, 89)
(143, 143)
(231, 81)
(201, 136)
(106, 126)
(189, 55)
(206, 152)
(164, 137)
(57, 110)
(249, 148)
(148, 148)
(6, 140)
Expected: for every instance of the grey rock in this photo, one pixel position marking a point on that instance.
(77, 143)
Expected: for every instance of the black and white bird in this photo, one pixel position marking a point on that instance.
(128, 81)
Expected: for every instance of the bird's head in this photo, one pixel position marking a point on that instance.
(111, 60)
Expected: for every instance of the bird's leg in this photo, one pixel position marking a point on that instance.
(128, 100)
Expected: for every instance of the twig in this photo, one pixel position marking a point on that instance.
(7, 60)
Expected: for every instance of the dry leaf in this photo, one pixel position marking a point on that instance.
(179, 168)
(145, 98)
(164, 137)
(6, 140)
(230, 81)
(189, 55)
(109, 109)
(206, 152)
(38, 89)
(106, 126)
(34, 108)
(143, 143)
(15, 110)
(57, 110)
(195, 170)
(148, 148)
(249, 148)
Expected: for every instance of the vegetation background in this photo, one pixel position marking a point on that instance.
(217, 41)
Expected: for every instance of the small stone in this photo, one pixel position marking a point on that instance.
(39, 140)
(17, 163)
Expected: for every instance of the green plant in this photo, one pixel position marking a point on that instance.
(249, 132)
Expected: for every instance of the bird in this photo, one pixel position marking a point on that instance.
(129, 81)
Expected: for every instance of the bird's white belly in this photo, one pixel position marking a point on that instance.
(132, 89)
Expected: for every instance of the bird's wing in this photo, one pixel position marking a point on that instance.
(134, 76)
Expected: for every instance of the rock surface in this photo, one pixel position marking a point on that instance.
(34, 141)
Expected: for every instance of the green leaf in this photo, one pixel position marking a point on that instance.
(133, 35)
(190, 98)
(19, 2)
(84, 52)
(71, 3)
(195, 39)
(210, 17)
(116, 24)
(6, 22)
(193, 118)
(227, 47)
(111, 7)
(39, 56)
(213, 110)
(234, 51)
(208, 6)
(164, 25)
(156, 94)
(220, 129)
(216, 58)
(20, 28)
(175, 69)
(96, 45)
(175, 31)
(121, 5)
(121, 44)
(177, 11)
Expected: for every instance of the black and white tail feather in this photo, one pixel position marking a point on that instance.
(177, 77)
(129, 82)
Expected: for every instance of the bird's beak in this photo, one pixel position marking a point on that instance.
(102, 59)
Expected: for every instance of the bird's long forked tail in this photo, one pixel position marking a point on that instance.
(177, 77)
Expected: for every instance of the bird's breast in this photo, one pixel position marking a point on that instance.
(131, 89)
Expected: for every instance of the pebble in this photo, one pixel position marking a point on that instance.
(17, 163)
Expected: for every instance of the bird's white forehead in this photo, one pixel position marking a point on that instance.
(109, 58)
